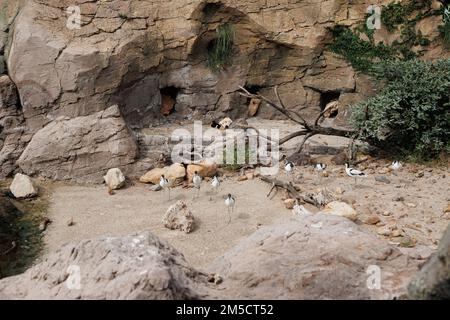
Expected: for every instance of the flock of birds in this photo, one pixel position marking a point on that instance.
(230, 200)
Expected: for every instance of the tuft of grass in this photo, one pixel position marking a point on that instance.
(221, 50)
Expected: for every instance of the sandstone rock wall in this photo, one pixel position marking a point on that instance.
(132, 53)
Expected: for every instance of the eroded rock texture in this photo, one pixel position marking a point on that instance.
(150, 58)
(308, 257)
(313, 257)
(138, 266)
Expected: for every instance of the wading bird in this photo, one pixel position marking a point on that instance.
(230, 201)
(197, 181)
(164, 183)
(351, 172)
(320, 167)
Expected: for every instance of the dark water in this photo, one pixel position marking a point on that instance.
(20, 239)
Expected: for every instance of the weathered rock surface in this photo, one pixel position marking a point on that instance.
(23, 187)
(178, 216)
(150, 58)
(81, 148)
(312, 257)
(114, 179)
(13, 136)
(433, 280)
(175, 173)
(138, 266)
(204, 169)
(342, 209)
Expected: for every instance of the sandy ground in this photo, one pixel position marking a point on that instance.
(135, 208)
(418, 216)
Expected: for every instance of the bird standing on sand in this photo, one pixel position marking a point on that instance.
(197, 181)
(396, 165)
(288, 167)
(215, 183)
(164, 183)
(351, 172)
(320, 167)
(230, 201)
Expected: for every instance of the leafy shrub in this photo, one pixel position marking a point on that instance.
(360, 53)
(222, 47)
(411, 114)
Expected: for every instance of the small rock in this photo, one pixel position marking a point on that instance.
(114, 179)
(242, 178)
(382, 179)
(22, 187)
(249, 176)
(178, 216)
(70, 222)
(372, 219)
(204, 169)
(340, 209)
(420, 174)
(289, 203)
(407, 242)
(399, 198)
(156, 187)
(386, 213)
(384, 231)
(410, 204)
(339, 190)
(396, 233)
(447, 209)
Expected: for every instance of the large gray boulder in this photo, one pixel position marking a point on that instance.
(433, 280)
(80, 149)
(138, 266)
(313, 257)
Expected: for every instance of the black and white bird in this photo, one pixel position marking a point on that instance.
(354, 173)
(288, 167)
(230, 202)
(396, 165)
(164, 183)
(215, 183)
(197, 181)
(320, 167)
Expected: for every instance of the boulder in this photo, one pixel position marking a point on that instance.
(178, 216)
(175, 173)
(433, 280)
(342, 209)
(313, 257)
(204, 169)
(138, 266)
(114, 179)
(81, 148)
(22, 187)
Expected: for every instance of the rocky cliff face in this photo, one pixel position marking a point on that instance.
(137, 54)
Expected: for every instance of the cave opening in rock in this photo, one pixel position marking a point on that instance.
(169, 99)
(328, 97)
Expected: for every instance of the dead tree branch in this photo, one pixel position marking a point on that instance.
(290, 188)
(308, 130)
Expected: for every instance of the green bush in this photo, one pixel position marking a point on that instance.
(221, 50)
(411, 114)
(360, 53)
